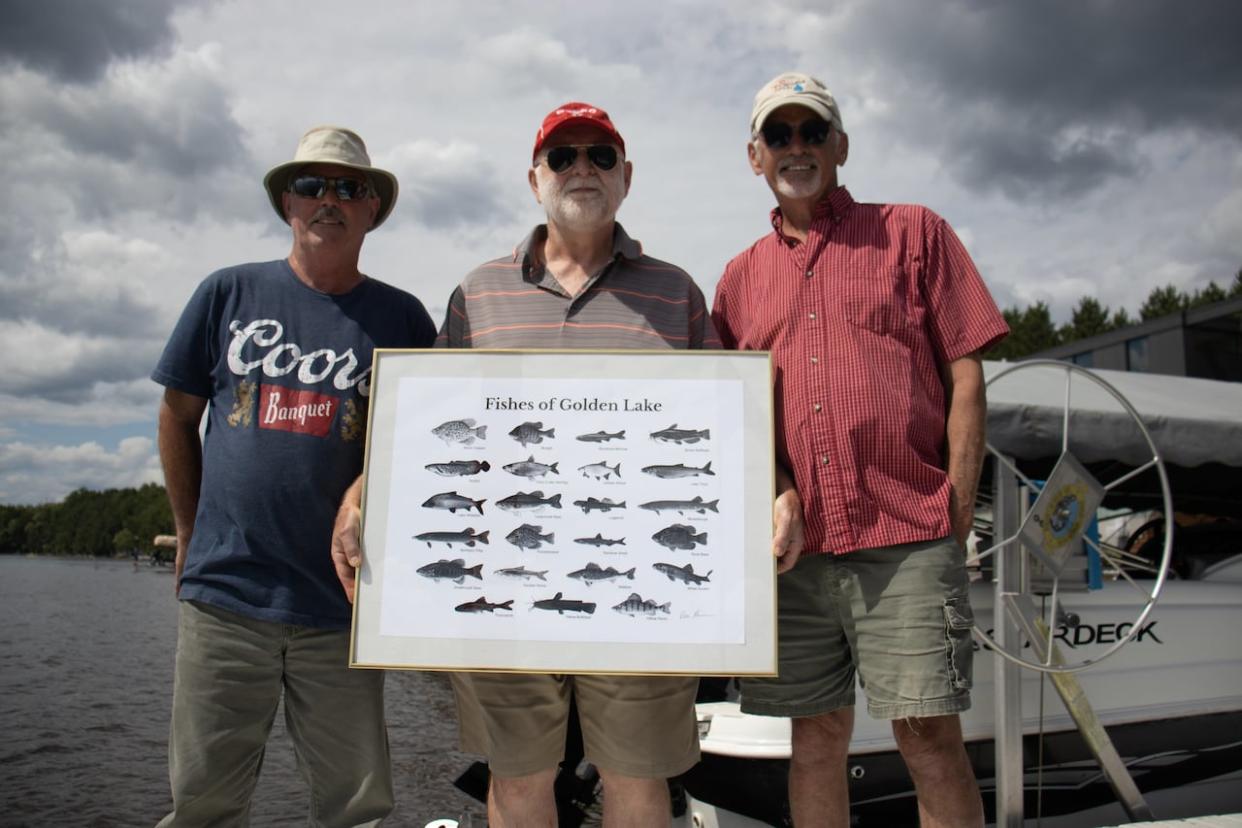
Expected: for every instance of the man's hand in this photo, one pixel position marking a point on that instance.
(347, 539)
(786, 523)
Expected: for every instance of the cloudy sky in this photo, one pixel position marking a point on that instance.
(1078, 148)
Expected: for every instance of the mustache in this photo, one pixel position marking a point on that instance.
(328, 211)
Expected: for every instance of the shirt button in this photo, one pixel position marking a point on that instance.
(815, 360)
(811, 314)
(824, 459)
(818, 408)
(809, 273)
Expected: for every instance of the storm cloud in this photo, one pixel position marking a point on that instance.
(1137, 63)
(1050, 98)
(128, 141)
(76, 41)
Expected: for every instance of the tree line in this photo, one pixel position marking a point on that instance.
(100, 524)
(1031, 329)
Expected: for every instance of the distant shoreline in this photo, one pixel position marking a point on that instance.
(81, 556)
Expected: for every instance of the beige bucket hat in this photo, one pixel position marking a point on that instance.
(332, 145)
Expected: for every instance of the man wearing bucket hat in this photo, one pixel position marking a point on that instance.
(278, 354)
(875, 317)
(576, 281)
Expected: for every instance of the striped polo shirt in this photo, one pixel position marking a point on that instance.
(861, 319)
(634, 301)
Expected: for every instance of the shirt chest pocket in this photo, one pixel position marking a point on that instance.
(877, 300)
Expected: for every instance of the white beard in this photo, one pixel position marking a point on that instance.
(585, 212)
(800, 185)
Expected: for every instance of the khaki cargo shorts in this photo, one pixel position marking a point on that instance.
(896, 617)
(641, 726)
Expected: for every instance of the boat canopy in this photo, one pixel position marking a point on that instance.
(1192, 421)
(1196, 425)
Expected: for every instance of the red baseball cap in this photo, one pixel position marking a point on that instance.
(575, 112)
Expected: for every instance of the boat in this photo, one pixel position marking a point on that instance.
(1170, 698)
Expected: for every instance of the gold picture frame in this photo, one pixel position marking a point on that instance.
(568, 512)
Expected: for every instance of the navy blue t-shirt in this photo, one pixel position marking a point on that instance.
(287, 370)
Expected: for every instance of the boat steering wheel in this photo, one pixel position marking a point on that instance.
(1055, 525)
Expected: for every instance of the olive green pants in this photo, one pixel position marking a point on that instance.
(231, 671)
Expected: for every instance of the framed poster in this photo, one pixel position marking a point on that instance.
(568, 512)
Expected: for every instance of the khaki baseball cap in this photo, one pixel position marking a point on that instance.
(795, 88)
(340, 147)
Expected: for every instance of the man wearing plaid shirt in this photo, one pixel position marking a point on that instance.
(875, 317)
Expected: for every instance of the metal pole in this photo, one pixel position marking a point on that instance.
(1007, 580)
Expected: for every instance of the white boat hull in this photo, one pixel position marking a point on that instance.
(1171, 699)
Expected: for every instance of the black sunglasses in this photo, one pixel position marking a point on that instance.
(314, 186)
(779, 135)
(602, 156)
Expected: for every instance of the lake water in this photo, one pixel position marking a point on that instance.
(86, 669)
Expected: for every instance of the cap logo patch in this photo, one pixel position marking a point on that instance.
(798, 87)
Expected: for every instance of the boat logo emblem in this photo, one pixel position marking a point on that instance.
(1063, 518)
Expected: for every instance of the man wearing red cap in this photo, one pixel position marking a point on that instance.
(578, 281)
(875, 317)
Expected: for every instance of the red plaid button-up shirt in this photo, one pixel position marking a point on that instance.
(860, 319)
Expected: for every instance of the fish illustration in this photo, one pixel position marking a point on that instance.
(532, 500)
(673, 434)
(636, 605)
(459, 431)
(458, 468)
(592, 572)
(679, 536)
(681, 506)
(561, 605)
(453, 501)
(685, 574)
(454, 570)
(600, 470)
(527, 536)
(680, 470)
(530, 468)
(522, 572)
(467, 537)
(528, 433)
(604, 505)
(601, 436)
(483, 605)
(600, 540)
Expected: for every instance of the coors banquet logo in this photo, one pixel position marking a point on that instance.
(292, 409)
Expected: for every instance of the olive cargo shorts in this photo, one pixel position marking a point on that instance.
(641, 726)
(899, 617)
(231, 671)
